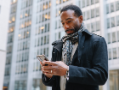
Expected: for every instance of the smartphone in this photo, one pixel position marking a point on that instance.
(41, 58)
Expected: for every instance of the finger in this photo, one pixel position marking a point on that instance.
(47, 67)
(41, 63)
(49, 63)
(47, 71)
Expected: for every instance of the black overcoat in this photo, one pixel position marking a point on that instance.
(89, 67)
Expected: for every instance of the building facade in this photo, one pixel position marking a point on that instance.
(4, 16)
(35, 24)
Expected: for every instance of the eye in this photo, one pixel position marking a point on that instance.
(62, 23)
(69, 21)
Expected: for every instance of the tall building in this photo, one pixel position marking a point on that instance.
(4, 15)
(35, 24)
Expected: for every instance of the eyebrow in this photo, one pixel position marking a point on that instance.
(67, 19)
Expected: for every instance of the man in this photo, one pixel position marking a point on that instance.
(79, 59)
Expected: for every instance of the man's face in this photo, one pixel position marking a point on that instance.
(70, 21)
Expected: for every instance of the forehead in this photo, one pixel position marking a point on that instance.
(67, 14)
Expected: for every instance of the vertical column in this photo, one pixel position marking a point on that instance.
(103, 30)
(52, 26)
(14, 49)
(31, 48)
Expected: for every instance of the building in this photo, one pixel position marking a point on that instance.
(4, 15)
(35, 24)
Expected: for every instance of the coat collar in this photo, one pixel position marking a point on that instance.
(86, 32)
(59, 43)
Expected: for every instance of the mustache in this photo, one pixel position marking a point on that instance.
(69, 30)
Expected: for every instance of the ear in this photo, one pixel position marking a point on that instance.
(80, 18)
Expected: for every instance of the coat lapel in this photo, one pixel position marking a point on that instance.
(78, 52)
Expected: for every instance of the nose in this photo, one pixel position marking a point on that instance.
(66, 26)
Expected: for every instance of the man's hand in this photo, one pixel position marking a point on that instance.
(44, 72)
(58, 68)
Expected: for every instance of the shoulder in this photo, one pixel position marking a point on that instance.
(57, 42)
(97, 38)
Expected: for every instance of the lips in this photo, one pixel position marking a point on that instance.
(69, 30)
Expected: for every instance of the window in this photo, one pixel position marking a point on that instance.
(117, 5)
(118, 36)
(88, 2)
(108, 23)
(92, 27)
(7, 71)
(98, 26)
(112, 22)
(112, 7)
(88, 14)
(113, 37)
(114, 80)
(88, 27)
(8, 60)
(37, 85)
(83, 3)
(107, 8)
(84, 16)
(96, 1)
(92, 13)
(59, 35)
(117, 20)
(97, 12)
(92, 1)
(109, 38)
(109, 54)
(20, 85)
(114, 53)
(9, 49)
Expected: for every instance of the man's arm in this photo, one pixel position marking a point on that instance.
(46, 80)
(96, 75)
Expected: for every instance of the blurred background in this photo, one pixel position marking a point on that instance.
(28, 28)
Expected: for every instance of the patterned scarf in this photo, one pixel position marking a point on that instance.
(69, 40)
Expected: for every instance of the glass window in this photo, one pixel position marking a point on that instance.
(92, 1)
(20, 85)
(92, 13)
(114, 53)
(88, 2)
(112, 7)
(117, 20)
(113, 37)
(117, 5)
(83, 3)
(108, 23)
(112, 22)
(118, 36)
(38, 85)
(98, 26)
(97, 12)
(44, 40)
(59, 35)
(88, 27)
(114, 79)
(109, 38)
(93, 27)
(84, 16)
(96, 1)
(88, 14)
(109, 54)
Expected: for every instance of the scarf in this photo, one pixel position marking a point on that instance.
(68, 41)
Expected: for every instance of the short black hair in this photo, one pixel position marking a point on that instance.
(75, 8)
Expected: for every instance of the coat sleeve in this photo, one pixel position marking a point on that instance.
(51, 81)
(96, 75)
